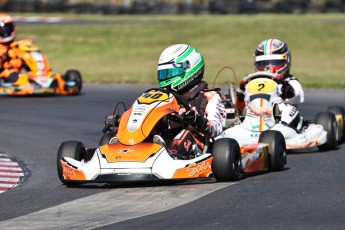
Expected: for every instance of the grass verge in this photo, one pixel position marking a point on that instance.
(126, 48)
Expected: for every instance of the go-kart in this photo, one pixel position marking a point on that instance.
(135, 148)
(36, 76)
(261, 114)
(136, 151)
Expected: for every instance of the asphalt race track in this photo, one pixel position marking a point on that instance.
(309, 194)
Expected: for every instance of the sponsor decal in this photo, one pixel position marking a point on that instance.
(193, 169)
(254, 135)
(139, 107)
(255, 126)
(127, 157)
(293, 111)
(183, 84)
(125, 150)
(71, 172)
(66, 170)
(251, 158)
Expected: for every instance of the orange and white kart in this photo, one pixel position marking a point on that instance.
(262, 119)
(134, 148)
(36, 76)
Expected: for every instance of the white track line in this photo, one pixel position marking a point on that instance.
(111, 207)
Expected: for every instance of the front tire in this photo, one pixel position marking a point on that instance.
(328, 122)
(276, 149)
(74, 76)
(226, 165)
(72, 149)
(339, 113)
(105, 138)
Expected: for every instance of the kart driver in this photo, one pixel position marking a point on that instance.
(10, 64)
(181, 70)
(273, 55)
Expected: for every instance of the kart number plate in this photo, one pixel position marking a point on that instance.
(153, 96)
(261, 86)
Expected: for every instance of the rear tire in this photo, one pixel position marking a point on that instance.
(72, 149)
(276, 149)
(74, 75)
(226, 165)
(339, 113)
(328, 122)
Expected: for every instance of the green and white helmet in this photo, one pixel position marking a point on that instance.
(180, 67)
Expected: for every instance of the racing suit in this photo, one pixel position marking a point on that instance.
(10, 63)
(207, 115)
(292, 94)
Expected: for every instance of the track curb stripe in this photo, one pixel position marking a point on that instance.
(11, 173)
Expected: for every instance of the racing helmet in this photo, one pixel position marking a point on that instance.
(273, 55)
(7, 28)
(180, 67)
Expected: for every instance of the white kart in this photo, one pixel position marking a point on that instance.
(261, 113)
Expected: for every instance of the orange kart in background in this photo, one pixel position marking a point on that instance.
(36, 76)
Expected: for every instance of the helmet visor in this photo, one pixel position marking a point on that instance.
(263, 61)
(6, 30)
(166, 72)
(266, 63)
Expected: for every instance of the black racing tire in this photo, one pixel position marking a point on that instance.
(72, 149)
(226, 165)
(339, 113)
(276, 149)
(105, 138)
(329, 123)
(74, 75)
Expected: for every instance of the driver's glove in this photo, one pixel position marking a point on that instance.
(191, 118)
(287, 90)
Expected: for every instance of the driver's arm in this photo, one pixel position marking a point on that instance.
(298, 95)
(215, 114)
(13, 65)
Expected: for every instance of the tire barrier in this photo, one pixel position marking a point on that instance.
(173, 7)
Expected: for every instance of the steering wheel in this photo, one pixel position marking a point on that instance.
(180, 99)
(179, 118)
(259, 74)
